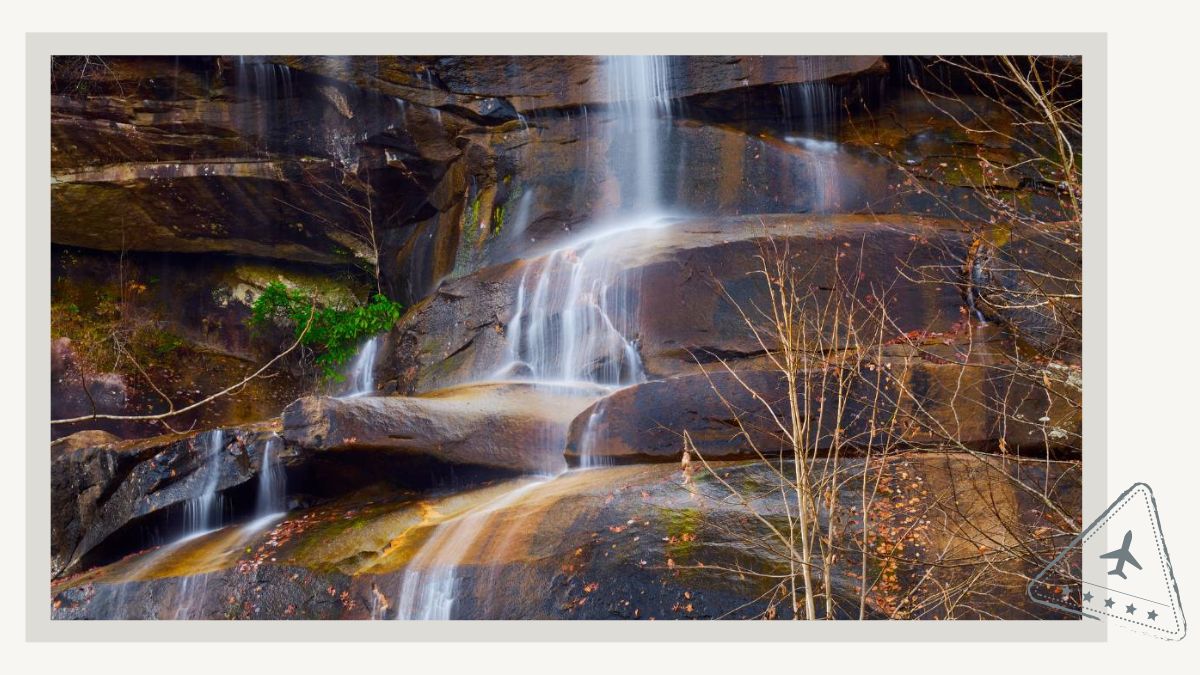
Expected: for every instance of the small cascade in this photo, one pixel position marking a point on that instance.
(521, 217)
(203, 511)
(588, 458)
(268, 87)
(824, 168)
(427, 591)
(571, 321)
(272, 480)
(809, 120)
(361, 378)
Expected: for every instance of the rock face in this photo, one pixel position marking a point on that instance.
(933, 404)
(238, 155)
(578, 243)
(509, 427)
(624, 542)
(101, 494)
(131, 330)
(460, 332)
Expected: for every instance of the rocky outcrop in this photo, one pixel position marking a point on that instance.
(509, 427)
(625, 542)
(460, 332)
(100, 493)
(495, 88)
(918, 402)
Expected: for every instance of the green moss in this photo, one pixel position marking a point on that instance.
(681, 526)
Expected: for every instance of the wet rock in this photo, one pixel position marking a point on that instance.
(670, 277)
(102, 494)
(619, 542)
(738, 415)
(1031, 283)
(512, 427)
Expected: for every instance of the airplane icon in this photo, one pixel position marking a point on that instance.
(1122, 556)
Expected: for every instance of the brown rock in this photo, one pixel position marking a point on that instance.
(511, 427)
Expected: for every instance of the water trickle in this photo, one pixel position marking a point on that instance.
(524, 210)
(588, 457)
(203, 511)
(572, 315)
(272, 480)
(361, 378)
(824, 169)
(430, 582)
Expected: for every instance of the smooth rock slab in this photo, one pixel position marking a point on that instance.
(515, 427)
(942, 403)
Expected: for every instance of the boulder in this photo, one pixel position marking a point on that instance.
(511, 427)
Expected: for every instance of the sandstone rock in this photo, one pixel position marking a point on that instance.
(511, 427)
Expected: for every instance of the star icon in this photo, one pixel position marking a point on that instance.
(1152, 615)
(1130, 609)
(1087, 597)
(1108, 602)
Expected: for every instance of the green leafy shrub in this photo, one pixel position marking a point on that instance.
(335, 333)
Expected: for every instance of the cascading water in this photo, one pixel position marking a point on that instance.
(203, 511)
(272, 481)
(638, 89)
(361, 378)
(571, 321)
(431, 580)
(809, 116)
(574, 315)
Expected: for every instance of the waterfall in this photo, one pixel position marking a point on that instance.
(824, 171)
(520, 219)
(272, 481)
(361, 379)
(588, 458)
(810, 114)
(575, 313)
(572, 317)
(203, 511)
(430, 581)
(265, 89)
(638, 89)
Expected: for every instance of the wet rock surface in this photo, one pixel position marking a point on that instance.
(101, 494)
(624, 542)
